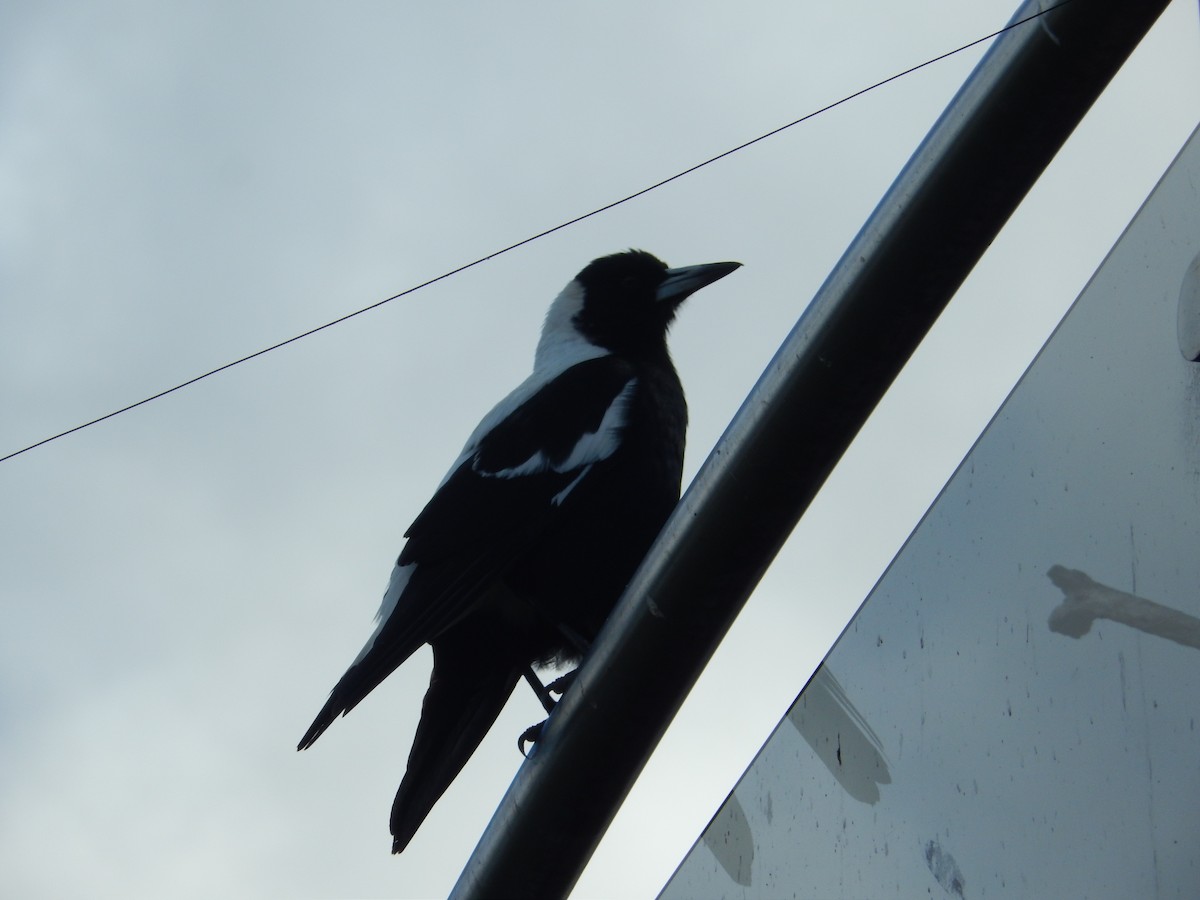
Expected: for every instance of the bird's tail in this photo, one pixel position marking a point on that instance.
(467, 690)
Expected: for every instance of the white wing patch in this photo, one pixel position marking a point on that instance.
(591, 447)
(396, 585)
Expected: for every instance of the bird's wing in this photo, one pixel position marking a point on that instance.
(506, 488)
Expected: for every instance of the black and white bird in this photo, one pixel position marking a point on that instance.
(539, 525)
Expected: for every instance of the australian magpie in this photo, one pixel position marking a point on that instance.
(541, 521)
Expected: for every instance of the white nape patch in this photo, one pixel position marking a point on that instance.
(396, 585)
(561, 345)
(591, 447)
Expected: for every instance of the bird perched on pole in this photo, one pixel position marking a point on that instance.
(539, 525)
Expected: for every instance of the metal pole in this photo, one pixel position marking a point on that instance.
(984, 153)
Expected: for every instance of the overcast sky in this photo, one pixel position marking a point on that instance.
(184, 184)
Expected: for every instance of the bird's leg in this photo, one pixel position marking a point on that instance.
(543, 693)
(559, 685)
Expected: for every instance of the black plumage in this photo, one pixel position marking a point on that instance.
(523, 550)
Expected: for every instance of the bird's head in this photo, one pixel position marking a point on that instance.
(624, 303)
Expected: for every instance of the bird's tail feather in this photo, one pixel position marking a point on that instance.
(466, 693)
(334, 706)
(350, 690)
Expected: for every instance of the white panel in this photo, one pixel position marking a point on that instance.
(1014, 711)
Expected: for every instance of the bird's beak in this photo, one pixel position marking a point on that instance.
(682, 283)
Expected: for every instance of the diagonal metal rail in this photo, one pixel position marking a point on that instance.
(984, 153)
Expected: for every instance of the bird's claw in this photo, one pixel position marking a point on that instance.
(530, 735)
(559, 685)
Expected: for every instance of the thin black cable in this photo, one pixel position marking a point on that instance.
(540, 234)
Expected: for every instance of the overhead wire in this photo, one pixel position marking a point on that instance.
(539, 235)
